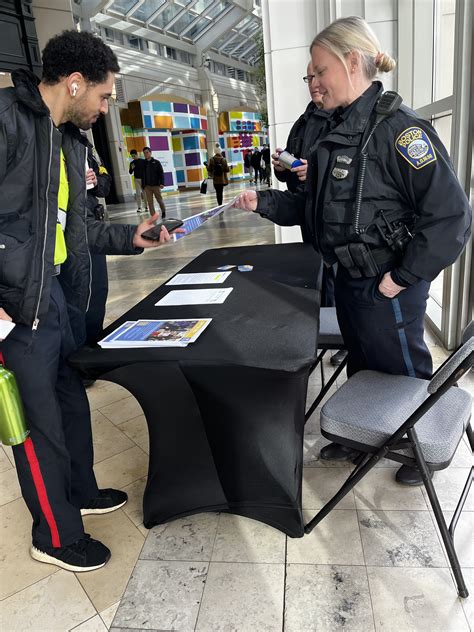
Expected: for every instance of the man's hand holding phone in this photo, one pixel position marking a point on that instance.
(149, 234)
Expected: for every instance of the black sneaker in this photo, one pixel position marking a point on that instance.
(108, 500)
(410, 475)
(338, 452)
(85, 554)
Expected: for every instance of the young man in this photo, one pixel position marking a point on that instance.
(153, 181)
(136, 168)
(45, 278)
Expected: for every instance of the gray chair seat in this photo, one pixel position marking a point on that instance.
(329, 332)
(371, 406)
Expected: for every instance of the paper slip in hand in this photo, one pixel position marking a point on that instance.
(5, 328)
(195, 297)
(198, 278)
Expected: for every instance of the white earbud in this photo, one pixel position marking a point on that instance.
(74, 89)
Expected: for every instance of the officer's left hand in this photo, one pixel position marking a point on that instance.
(140, 242)
(388, 287)
(302, 170)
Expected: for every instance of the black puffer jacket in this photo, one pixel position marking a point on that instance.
(29, 180)
(409, 177)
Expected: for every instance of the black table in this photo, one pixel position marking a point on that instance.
(226, 414)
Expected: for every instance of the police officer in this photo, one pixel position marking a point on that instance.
(301, 138)
(383, 201)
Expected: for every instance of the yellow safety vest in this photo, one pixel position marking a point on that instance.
(60, 251)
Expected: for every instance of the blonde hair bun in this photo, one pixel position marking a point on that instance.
(384, 62)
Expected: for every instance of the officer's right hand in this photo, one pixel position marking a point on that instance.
(247, 201)
(276, 165)
(4, 315)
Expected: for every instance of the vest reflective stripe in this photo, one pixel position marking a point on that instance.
(60, 251)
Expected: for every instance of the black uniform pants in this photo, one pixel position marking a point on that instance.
(54, 465)
(383, 334)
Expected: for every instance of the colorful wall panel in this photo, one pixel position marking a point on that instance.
(189, 155)
(172, 116)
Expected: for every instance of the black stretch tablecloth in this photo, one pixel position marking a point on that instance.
(226, 413)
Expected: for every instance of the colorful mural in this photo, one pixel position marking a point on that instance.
(176, 134)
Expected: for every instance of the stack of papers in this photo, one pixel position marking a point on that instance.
(155, 333)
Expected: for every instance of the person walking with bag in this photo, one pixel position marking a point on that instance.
(218, 170)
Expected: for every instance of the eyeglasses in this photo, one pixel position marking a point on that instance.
(309, 78)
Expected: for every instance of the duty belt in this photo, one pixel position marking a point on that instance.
(361, 261)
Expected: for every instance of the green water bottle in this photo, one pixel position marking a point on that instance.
(13, 428)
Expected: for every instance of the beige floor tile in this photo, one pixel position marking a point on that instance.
(187, 539)
(95, 624)
(134, 506)
(320, 484)
(137, 430)
(104, 393)
(400, 538)
(9, 486)
(449, 485)
(18, 570)
(415, 600)
(468, 604)
(55, 603)
(9, 452)
(122, 469)
(162, 596)
(241, 539)
(327, 598)
(379, 490)
(108, 439)
(336, 540)
(106, 585)
(123, 410)
(5, 463)
(463, 536)
(108, 614)
(143, 530)
(244, 597)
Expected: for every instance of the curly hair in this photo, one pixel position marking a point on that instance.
(84, 52)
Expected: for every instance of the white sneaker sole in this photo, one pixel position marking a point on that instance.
(40, 556)
(86, 512)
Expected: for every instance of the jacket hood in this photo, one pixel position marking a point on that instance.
(26, 89)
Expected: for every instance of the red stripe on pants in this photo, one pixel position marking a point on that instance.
(41, 491)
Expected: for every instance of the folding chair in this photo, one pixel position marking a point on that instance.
(408, 420)
(329, 339)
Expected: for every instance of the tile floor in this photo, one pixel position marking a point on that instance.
(375, 563)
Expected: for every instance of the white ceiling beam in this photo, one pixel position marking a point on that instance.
(156, 13)
(134, 8)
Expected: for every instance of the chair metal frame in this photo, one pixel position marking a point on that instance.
(324, 347)
(371, 455)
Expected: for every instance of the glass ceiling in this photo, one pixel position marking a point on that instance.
(189, 20)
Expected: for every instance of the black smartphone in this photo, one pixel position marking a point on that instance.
(170, 225)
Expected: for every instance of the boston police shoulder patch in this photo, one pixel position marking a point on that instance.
(415, 146)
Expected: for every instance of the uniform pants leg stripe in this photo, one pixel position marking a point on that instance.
(41, 491)
(403, 338)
